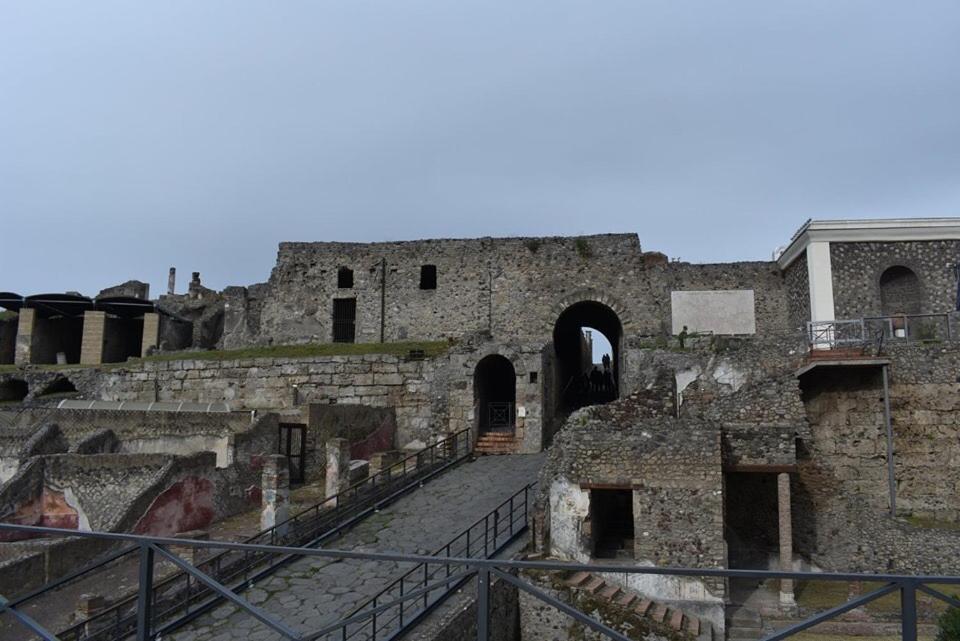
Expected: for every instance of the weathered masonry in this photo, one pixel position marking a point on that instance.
(789, 413)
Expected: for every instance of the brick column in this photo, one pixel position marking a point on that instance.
(91, 349)
(786, 538)
(24, 343)
(275, 490)
(151, 333)
(338, 466)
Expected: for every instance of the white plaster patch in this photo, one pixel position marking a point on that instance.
(569, 506)
(182, 446)
(83, 523)
(727, 374)
(727, 311)
(8, 468)
(684, 378)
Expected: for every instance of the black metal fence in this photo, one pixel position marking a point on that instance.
(433, 574)
(181, 596)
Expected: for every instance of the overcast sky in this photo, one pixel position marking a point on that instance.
(139, 135)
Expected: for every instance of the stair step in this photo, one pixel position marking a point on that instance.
(676, 620)
(659, 613)
(643, 607)
(594, 584)
(609, 592)
(744, 634)
(626, 599)
(578, 579)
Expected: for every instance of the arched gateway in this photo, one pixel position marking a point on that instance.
(495, 395)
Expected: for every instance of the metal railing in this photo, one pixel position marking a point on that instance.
(180, 597)
(874, 330)
(459, 569)
(485, 538)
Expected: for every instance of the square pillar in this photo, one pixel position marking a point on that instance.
(786, 539)
(275, 490)
(24, 343)
(151, 333)
(91, 349)
(338, 466)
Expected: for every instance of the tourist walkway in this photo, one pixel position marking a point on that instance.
(313, 592)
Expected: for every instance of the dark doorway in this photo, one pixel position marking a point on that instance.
(122, 339)
(752, 523)
(14, 390)
(60, 386)
(292, 441)
(495, 394)
(583, 379)
(344, 320)
(611, 521)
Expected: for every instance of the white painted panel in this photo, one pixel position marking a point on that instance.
(727, 311)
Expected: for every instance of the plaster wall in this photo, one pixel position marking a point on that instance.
(717, 312)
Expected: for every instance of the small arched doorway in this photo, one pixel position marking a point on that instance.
(495, 395)
(901, 295)
(587, 376)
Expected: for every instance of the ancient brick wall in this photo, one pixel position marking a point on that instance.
(857, 268)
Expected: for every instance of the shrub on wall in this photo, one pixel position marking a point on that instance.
(949, 625)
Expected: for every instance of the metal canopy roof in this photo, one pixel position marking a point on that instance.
(74, 305)
(11, 301)
(124, 306)
(48, 305)
(135, 406)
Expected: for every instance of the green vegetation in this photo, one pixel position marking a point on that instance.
(583, 248)
(533, 244)
(6, 315)
(429, 349)
(949, 625)
(931, 524)
(820, 595)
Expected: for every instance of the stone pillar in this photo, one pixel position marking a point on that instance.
(786, 538)
(338, 466)
(151, 333)
(24, 343)
(91, 349)
(379, 461)
(172, 281)
(275, 490)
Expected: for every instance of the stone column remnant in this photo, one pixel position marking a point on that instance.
(24, 343)
(275, 487)
(786, 538)
(151, 333)
(91, 347)
(338, 466)
(172, 281)
(379, 461)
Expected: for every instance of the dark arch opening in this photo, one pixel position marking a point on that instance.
(58, 386)
(495, 394)
(13, 390)
(900, 291)
(583, 379)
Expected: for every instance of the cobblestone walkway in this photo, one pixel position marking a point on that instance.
(311, 593)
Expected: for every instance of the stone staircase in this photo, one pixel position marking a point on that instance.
(743, 624)
(641, 606)
(496, 443)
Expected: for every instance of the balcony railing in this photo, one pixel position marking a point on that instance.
(449, 570)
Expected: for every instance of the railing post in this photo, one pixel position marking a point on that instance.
(511, 516)
(145, 594)
(483, 604)
(908, 611)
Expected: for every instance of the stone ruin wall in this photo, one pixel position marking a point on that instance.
(857, 268)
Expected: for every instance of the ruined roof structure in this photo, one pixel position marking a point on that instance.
(797, 413)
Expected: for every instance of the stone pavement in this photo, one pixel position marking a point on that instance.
(311, 593)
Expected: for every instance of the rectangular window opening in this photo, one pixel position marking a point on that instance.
(611, 521)
(533, 377)
(428, 277)
(344, 278)
(344, 320)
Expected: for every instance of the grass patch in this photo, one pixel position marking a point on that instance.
(7, 315)
(932, 524)
(429, 349)
(821, 595)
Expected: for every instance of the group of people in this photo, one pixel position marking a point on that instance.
(596, 385)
